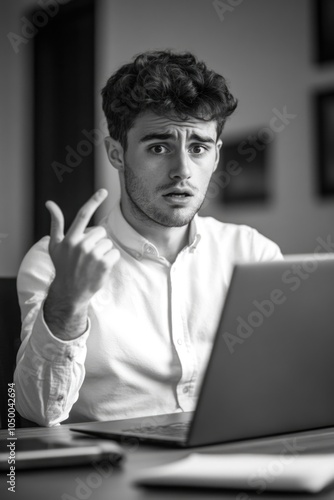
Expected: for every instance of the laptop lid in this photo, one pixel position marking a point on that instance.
(271, 369)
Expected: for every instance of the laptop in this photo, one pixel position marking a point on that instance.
(271, 369)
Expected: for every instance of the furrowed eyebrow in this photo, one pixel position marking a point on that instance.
(164, 136)
(156, 136)
(198, 138)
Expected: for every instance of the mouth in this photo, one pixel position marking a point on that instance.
(178, 198)
(178, 194)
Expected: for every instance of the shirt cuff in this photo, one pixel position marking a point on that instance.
(49, 347)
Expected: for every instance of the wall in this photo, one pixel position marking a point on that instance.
(263, 47)
(15, 141)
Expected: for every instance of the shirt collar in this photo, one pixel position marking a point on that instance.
(130, 240)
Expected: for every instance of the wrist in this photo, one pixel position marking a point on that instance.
(66, 318)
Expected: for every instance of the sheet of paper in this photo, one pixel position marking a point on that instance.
(283, 472)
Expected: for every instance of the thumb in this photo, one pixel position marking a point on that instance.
(57, 223)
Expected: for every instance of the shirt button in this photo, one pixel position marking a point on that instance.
(70, 356)
(60, 397)
(179, 341)
(185, 389)
(148, 249)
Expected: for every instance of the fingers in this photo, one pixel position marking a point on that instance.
(103, 247)
(93, 238)
(57, 223)
(112, 256)
(94, 234)
(85, 213)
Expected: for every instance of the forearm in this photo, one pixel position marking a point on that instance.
(56, 282)
(66, 319)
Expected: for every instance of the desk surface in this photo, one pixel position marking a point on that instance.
(62, 483)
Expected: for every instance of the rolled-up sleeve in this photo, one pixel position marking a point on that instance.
(49, 371)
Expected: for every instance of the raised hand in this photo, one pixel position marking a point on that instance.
(83, 260)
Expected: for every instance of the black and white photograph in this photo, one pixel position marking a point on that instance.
(166, 249)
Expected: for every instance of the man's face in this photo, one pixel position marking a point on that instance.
(167, 167)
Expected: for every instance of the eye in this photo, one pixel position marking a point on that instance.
(198, 149)
(158, 149)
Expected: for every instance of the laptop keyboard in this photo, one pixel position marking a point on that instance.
(179, 429)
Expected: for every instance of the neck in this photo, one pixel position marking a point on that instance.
(168, 240)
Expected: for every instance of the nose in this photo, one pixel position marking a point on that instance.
(181, 167)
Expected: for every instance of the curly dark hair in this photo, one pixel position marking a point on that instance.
(169, 84)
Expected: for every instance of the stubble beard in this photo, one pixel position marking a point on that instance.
(145, 211)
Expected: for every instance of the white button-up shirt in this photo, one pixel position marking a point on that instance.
(150, 329)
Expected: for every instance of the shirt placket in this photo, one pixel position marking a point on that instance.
(181, 338)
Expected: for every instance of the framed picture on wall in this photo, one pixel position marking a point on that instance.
(324, 16)
(242, 173)
(324, 107)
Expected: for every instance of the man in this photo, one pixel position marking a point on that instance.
(118, 320)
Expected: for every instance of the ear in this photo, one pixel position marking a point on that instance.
(115, 153)
(218, 146)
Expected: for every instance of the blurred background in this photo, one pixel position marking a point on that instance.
(278, 171)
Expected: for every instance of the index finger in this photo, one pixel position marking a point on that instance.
(85, 213)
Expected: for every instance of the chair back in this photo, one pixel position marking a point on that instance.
(10, 328)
